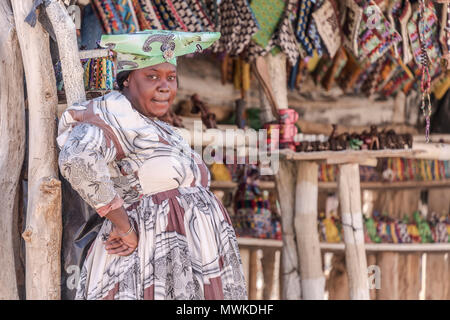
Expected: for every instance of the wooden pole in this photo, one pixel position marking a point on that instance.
(285, 181)
(12, 142)
(310, 261)
(268, 265)
(389, 266)
(68, 52)
(43, 226)
(253, 274)
(277, 71)
(355, 254)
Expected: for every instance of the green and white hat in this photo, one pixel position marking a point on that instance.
(150, 47)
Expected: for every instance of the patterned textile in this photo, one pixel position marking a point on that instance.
(127, 15)
(327, 21)
(375, 37)
(208, 25)
(404, 18)
(352, 21)
(430, 39)
(237, 25)
(284, 35)
(151, 15)
(143, 22)
(187, 15)
(212, 10)
(147, 48)
(100, 12)
(187, 246)
(304, 16)
(268, 14)
(166, 15)
(313, 33)
(175, 14)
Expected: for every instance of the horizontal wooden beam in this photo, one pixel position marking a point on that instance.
(232, 185)
(348, 155)
(393, 185)
(398, 247)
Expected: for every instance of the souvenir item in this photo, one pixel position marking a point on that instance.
(351, 25)
(404, 18)
(151, 15)
(303, 17)
(327, 21)
(268, 14)
(313, 33)
(376, 35)
(237, 25)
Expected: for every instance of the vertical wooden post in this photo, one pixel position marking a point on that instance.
(390, 286)
(277, 71)
(437, 272)
(43, 226)
(355, 254)
(285, 181)
(310, 260)
(253, 274)
(268, 264)
(66, 37)
(12, 142)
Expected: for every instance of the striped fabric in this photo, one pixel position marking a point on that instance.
(187, 249)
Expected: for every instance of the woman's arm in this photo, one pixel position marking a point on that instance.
(83, 161)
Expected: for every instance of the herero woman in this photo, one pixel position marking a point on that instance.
(165, 236)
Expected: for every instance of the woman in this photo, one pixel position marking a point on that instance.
(165, 236)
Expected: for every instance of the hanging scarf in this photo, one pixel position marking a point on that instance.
(237, 25)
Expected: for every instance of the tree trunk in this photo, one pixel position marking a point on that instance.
(12, 141)
(285, 181)
(355, 254)
(310, 259)
(68, 52)
(43, 226)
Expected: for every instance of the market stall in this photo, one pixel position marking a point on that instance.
(296, 68)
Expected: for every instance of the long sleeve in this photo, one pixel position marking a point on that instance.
(83, 161)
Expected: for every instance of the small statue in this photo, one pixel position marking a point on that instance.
(372, 230)
(423, 227)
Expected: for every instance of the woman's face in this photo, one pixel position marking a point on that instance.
(151, 90)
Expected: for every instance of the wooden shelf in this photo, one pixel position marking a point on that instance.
(96, 53)
(348, 155)
(233, 185)
(398, 247)
(393, 185)
(333, 247)
(255, 242)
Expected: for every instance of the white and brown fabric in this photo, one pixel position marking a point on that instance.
(327, 20)
(112, 155)
(237, 26)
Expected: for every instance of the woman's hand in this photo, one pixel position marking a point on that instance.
(121, 245)
(117, 243)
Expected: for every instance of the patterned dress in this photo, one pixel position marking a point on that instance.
(112, 155)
